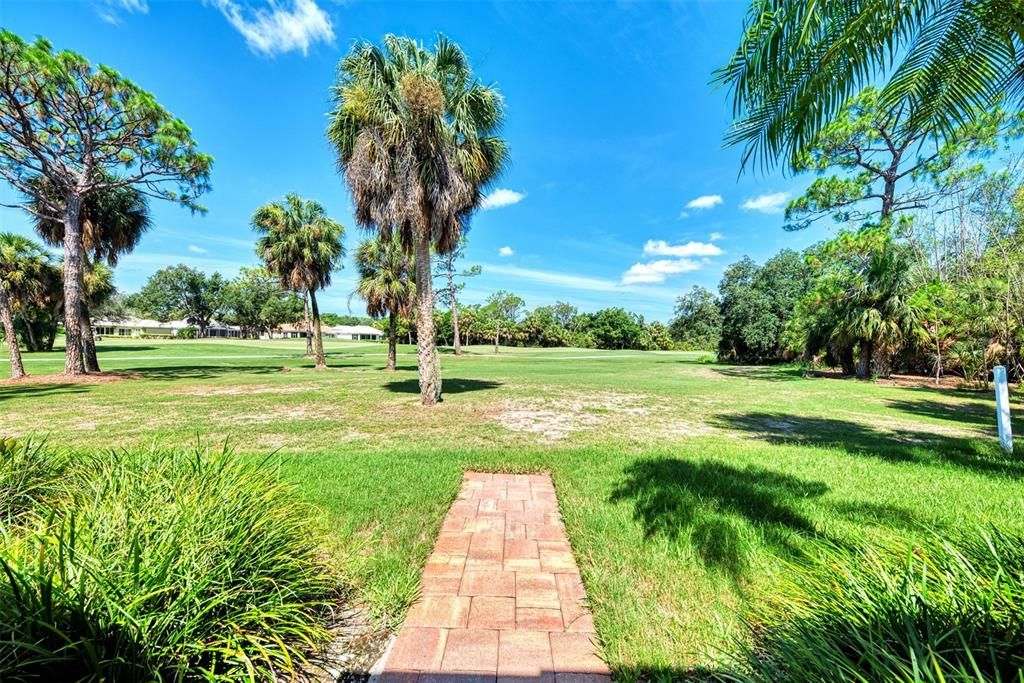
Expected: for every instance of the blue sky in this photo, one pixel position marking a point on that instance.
(619, 191)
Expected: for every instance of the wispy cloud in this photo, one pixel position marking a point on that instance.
(706, 201)
(110, 10)
(501, 197)
(715, 236)
(506, 251)
(196, 250)
(275, 29)
(663, 248)
(773, 202)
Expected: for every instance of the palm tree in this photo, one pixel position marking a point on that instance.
(113, 221)
(302, 246)
(798, 62)
(21, 261)
(415, 135)
(387, 283)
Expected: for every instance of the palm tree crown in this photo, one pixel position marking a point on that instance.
(799, 61)
(300, 243)
(386, 277)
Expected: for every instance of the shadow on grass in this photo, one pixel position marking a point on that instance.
(103, 347)
(764, 373)
(9, 391)
(450, 386)
(708, 503)
(174, 372)
(858, 439)
(972, 413)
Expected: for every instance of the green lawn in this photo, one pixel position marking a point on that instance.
(685, 486)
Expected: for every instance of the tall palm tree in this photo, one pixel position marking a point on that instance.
(415, 134)
(113, 222)
(387, 283)
(21, 261)
(302, 246)
(800, 60)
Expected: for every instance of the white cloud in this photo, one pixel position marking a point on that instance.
(706, 201)
(663, 248)
(196, 250)
(714, 237)
(576, 282)
(501, 197)
(655, 272)
(274, 29)
(773, 202)
(109, 10)
(506, 251)
(684, 214)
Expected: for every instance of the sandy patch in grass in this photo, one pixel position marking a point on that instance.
(91, 378)
(555, 418)
(237, 390)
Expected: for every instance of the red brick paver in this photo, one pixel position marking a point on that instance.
(502, 600)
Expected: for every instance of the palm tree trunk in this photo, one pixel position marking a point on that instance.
(92, 363)
(73, 362)
(497, 335)
(321, 364)
(309, 329)
(31, 343)
(426, 347)
(864, 365)
(392, 340)
(7, 318)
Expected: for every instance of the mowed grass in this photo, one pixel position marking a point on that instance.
(686, 487)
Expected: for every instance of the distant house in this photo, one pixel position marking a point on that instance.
(347, 332)
(139, 327)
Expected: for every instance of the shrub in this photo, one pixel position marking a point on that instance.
(163, 566)
(898, 613)
(187, 333)
(29, 474)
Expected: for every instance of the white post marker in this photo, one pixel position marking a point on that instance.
(1003, 408)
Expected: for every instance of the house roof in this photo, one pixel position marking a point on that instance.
(132, 321)
(353, 329)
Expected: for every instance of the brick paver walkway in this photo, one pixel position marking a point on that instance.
(502, 597)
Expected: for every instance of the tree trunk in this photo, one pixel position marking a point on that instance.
(92, 363)
(938, 360)
(309, 328)
(456, 340)
(497, 335)
(864, 365)
(7, 318)
(73, 286)
(31, 343)
(321, 364)
(426, 347)
(846, 361)
(392, 340)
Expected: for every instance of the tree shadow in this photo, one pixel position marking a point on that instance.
(103, 347)
(177, 372)
(763, 373)
(900, 445)
(972, 413)
(450, 386)
(703, 500)
(16, 390)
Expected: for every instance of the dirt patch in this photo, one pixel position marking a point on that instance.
(237, 390)
(356, 645)
(555, 418)
(300, 412)
(91, 378)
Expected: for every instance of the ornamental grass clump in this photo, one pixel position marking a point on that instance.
(166, 566)
(940, 612)
(30, 473)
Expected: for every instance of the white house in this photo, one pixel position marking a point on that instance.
(346, 332)
(138, 327)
